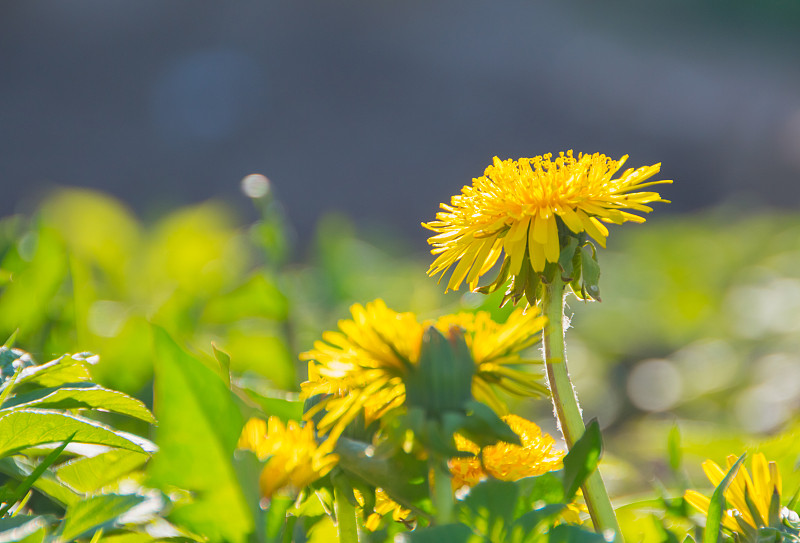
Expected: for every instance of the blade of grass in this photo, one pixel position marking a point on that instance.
(35, 474)
(717, 505)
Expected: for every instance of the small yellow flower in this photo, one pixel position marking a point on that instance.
(362, 366)
(759, 489)
(294, 460)
(506, 461)
(383, 505)
(520, 207)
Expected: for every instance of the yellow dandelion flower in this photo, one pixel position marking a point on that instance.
(524, 207)
(505, 461)
(383, 505)
(362, 366)
(758, 491)
(293, 458)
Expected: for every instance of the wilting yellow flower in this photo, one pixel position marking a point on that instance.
(362, 366)
(521, 206)
(765, 482)
(294, 459)
(508, 462)
(505, 461)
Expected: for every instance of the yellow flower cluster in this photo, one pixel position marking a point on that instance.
(294, 460)
(518, 207)
(362, 366)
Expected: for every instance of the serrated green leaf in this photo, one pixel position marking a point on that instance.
(31, 427)
(582, 459)
(65, 369)
(87, 474)
(24, 528)
(94, 513)
(716, 508)
(199, 427)
(81, 397)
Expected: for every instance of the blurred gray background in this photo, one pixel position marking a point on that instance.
(382, 109)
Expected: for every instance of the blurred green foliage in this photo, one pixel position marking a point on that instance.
(699, 328)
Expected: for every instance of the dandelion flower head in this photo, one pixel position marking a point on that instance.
(759, 490)
(505, 461)
(524, 207)
(293, 458)
(362, 366)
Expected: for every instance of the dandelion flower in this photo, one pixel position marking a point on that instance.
(505, 461)
(293, 458)
(749, 499)
(363, 365)
(525, 208)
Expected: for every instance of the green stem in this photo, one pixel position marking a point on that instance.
(566, 405)
(441, 491)
(345, 517)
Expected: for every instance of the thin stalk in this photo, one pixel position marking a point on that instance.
(566, 406)
(345, 517)
(441, 491)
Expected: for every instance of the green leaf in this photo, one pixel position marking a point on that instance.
(87, 474)
(582, 459)
(716, 508)
(199, 426)
(451, 533)
(284, 409)
(568, 533)
(65, 369)
(528, 523)
(259, 296)
(81, 397)
(26, 485)
(674, 448)
(93, 513)
(24, 529)
(20, 467)
(224, 360)
(590, 272)
(489, 508)
(31, 427)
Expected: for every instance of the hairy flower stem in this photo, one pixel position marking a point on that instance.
(566, 406)
(345, 517)
(441, 490)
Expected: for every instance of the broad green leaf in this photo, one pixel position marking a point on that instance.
(582, 459)
(259, 296)
(25, 302)
(284, 409)
(65, 369)
(24, 528)
(489, 508)
(199, 427)
(716, 508)
(568, 533)
(528, 524)
(93, 513)
(545, 488)
(450, 533)
(87, 474)
(31, 427)
(81, 397)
